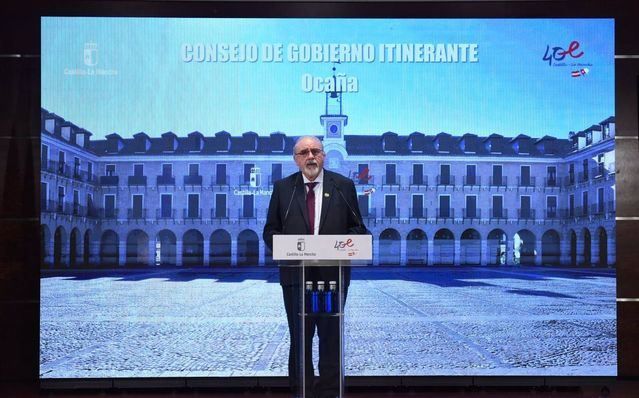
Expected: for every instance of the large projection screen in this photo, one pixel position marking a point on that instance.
(482, 151)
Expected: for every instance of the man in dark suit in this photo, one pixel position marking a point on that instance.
(312, 201)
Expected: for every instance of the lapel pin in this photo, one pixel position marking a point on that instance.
(326, 194)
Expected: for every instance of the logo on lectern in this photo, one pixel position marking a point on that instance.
(301, 245)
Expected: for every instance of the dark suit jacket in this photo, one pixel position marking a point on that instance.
(336, 217)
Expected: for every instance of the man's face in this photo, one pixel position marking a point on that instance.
(309, 157)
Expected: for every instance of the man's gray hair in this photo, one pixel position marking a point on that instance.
(312, 137)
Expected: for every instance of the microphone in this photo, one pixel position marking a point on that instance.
(359, 223)
(288, 208)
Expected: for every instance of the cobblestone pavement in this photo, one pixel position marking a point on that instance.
(399, 321)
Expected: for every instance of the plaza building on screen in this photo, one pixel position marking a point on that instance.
(441, 199)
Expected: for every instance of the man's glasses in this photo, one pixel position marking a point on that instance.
(305, 152)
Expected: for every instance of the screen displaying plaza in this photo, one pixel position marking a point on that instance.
(482, 152)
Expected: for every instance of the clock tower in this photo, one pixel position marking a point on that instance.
(333, 118)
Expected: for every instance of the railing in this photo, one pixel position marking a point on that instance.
(193, 180)
(419, 180)
(611, 207)
(393, 180)
(109, 213)
(498, 182)
(471, 213)
(390, 212)
(48, 165)
(418, 212)
(192, 214)
(136, 214)
(498, 214)
(568, 213)
(526, 214)
(472, 180)
(597, 209)
(222, 180)
(165, 214)
(583, 176)
(445, 213)
(63, 169)
(526, 182)
(48, 206)
(271, 180)
(581, 211)
(93, 212)
(165, 180)
(137, 181)
(551, 214)
(369, 213)
(247, 213)
(550, 182)
(445, 180)
(218, 214)
(109, 180)
(569, 180)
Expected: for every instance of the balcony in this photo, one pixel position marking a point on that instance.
(419, 180)
(551, 214)
(193, 180)
(583, 177)
(550, 182)
(109, 213)
(165, 180)
(165, 214)
(418, 213)
(137, 181)
(569, 180)
(470, 181)
(241, 181)
(581, 211)
(48, 165)
(109, 181)
(390, 212)
(62, 169)
(598, 209)
(498, 214)
(78, 211)
(471, 214)
(220, 180)
(136, 214)
(220, 213)
(525, 214)
(445, 180)
(93, 212)
(192, 213)
(48, 206)
(526, 182)
(391, 180)
(369, 214)
(498, 181)
(272, 179)
(247, 214)
(445, 213)
(567, 214)
(85, 176)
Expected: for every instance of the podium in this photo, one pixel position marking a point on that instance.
(320, 304)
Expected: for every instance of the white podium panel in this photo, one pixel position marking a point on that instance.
(322, 248)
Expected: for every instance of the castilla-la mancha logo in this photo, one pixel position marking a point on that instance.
(90, 59)
(91, 54)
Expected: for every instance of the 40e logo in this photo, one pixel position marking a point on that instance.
(558, 54)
